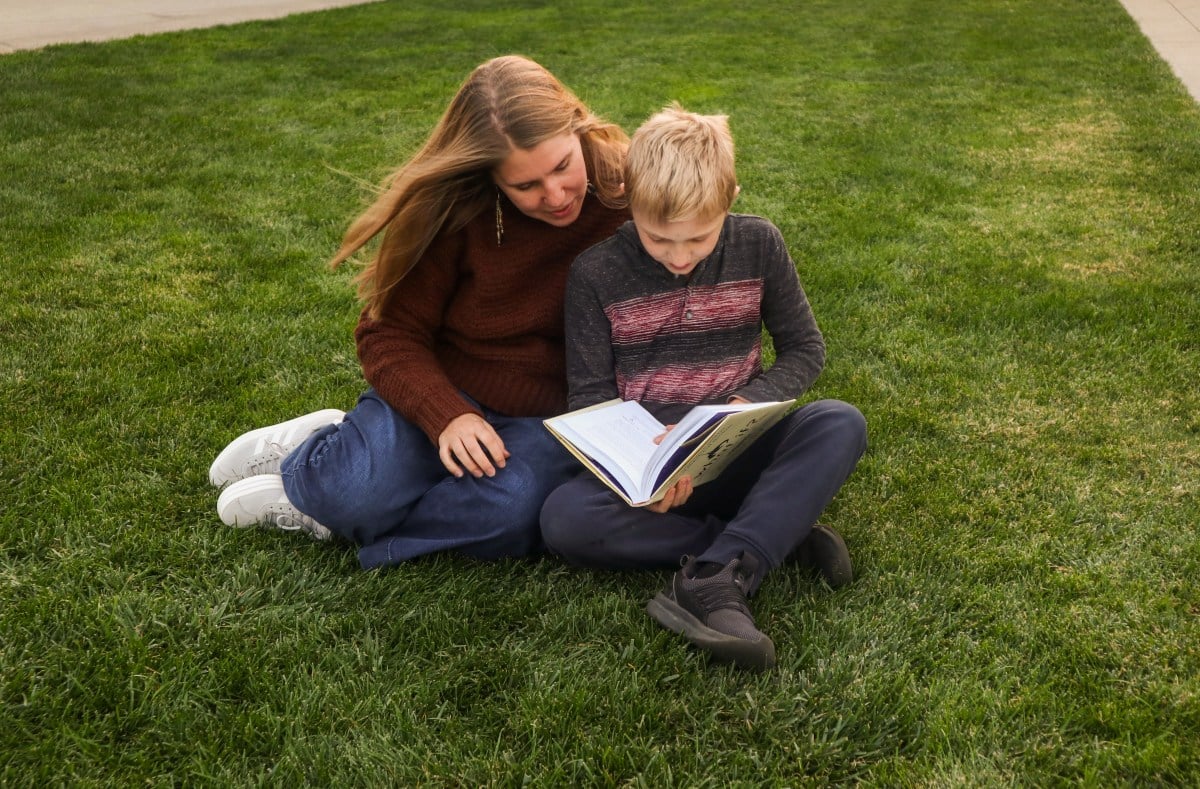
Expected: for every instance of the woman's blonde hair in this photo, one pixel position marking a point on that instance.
(681, 166)
(506, 103)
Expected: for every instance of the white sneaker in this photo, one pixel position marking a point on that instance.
(261, 500)
(260, 451)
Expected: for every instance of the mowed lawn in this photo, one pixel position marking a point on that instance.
(995, 210)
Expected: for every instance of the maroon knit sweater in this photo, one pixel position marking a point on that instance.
(481, 318)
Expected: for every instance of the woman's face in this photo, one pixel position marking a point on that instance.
(546, 182)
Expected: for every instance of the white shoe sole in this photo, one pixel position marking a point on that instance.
(229, 503)
(223, 471)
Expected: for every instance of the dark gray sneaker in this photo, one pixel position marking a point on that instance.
(713, 614)
(825, 551)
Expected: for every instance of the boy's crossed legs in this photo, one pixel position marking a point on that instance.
(736, 528)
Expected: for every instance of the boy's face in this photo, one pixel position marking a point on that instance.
(679, 246)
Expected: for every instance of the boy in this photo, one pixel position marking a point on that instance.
(669, 312)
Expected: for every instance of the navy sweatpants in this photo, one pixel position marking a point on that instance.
(766, 501)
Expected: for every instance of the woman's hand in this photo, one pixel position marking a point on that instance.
(679, 493)
(469, 443)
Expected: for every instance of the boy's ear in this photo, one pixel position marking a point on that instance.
(621, 188)
(737, 190)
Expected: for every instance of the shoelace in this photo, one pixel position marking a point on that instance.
(267, 462)
(289, 518)
(715, 596)
(289, 522)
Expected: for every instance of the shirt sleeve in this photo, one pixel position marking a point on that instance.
(398, 350)
(591, 371)
(789, 319)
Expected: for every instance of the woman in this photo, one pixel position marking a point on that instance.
(460, 339)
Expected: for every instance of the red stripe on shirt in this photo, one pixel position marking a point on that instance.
(707, 308)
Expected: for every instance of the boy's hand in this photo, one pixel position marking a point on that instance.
(679, 493)
(470, 441)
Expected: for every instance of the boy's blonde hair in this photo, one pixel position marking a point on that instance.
(680, 166)
(505, 104)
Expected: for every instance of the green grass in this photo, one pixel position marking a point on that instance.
(993, 206)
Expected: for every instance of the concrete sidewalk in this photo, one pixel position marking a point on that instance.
(1172, 26)
(30, 24)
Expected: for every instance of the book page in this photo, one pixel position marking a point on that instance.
(692, 427)
(708, 438)
(623, 434)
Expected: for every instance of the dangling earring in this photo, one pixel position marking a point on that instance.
(499, 220)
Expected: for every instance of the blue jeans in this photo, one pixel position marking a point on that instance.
(376, 480)
(766, 501)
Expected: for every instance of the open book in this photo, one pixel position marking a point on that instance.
(615, 440)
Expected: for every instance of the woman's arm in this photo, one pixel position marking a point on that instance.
(398, 351)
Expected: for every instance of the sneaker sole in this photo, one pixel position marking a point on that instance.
(233, 515)
(831, 557)
(753, 655)
(219, 476)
